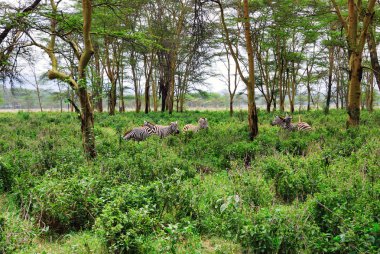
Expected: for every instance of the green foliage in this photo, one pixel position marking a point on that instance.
(314, 192)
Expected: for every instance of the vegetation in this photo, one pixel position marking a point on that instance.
(242, 186)
(162, 50)
(309, 192)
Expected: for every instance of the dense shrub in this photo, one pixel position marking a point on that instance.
(127, 217)
(63, 204)
(315, 192)
(6, 176)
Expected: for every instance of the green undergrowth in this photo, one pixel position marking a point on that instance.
(208, 192)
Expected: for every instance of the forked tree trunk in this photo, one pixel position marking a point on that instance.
(356, 35)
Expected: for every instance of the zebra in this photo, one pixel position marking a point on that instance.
(138, 133)
(202, 124)
(163, 131)
(286, 123)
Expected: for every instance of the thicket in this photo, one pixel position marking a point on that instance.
(315, 192)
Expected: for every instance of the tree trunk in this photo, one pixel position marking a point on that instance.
(135, 83)
(329, 86)
(252, 111)
(280, 86)
(369, 93)
(373, 55)
(308, 88)
(355, 34)
(112, 98)
(337, 89)
(87, 120)
(147, 82)
(250, 82)
(231, 105)
(121, 91)
(38, 92)
(170, 96)
(354, 91)
(154, 92)
(98, 84)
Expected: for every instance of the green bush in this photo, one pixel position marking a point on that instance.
(127, 218)
(6, 177)
(64, 204)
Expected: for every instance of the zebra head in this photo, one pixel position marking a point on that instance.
(288, 119)
(174, 127)
(203, 124)
(278, 120)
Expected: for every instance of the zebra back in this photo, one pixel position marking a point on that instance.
(138, 134)
(161, 130)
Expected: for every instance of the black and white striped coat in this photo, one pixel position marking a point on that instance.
(286, 124)
(138, 133)
(163, 131)
(202, 124)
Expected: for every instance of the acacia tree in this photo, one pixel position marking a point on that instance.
(356, 34)
(250, 81)
(86, 112)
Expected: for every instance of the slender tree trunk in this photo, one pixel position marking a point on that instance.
(135, 83)
(121, 90)
(308, 87)
(250, 82)
(369, 92)
(337, 89)
(38, 91)
(373, 55)
(98, 89)
(329, 86)
(154, 91)
(252, 111)
(147, 84)
(280, 87)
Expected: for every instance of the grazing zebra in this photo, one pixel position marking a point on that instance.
(163, 131)
(138, 133)
(202, 124)
(286, 123)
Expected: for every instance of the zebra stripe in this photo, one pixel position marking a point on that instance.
(202, 124)
(286, 124)
(163, 131)
(138, 134)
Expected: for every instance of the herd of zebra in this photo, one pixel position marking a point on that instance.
(148, 129)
